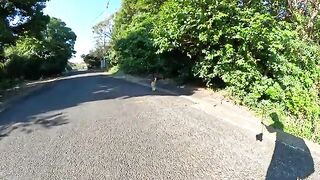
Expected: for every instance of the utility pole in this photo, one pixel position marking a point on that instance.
(104, 61)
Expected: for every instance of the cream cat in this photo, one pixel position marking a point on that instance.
(153, 84)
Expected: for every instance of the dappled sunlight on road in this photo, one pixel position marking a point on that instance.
(68, 92)
(101, 126)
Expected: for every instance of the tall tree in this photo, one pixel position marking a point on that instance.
(103, 34)
(19, 17)
(31, 58)
(60, 41)
(304, 14)
(92, 59)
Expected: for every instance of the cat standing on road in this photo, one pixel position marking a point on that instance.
(154, 84)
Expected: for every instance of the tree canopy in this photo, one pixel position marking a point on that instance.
(20, 17)
(102, 34)
(32, 44)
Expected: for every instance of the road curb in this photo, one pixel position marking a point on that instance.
(25, 93)
(282, 137)
(39, 85)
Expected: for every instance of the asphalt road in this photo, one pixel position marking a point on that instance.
(99, 127)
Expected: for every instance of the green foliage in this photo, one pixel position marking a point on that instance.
(19, 18)
(113, 70)
(32, 58)
(266, 54)
(59, 47)
(259, 57)
(102, 32)
(92, 60)
(24, 59)
(133, 49)
(32, 44)
(27, 16)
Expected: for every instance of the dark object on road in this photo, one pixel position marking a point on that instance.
(259, 137)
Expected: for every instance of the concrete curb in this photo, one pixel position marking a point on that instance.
(253, 126)
(25, 92)
(32, 87)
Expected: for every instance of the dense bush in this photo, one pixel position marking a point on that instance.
(267, 56)
(24, 59)
(134, 50)
(91, 61)
(32, 58)
(258, 57)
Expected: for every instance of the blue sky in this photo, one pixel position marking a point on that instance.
(81, 15)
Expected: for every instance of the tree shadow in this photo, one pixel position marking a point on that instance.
(291, 157)
(47, 122)
(45, 106)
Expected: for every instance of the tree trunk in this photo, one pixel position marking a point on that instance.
(314, 13)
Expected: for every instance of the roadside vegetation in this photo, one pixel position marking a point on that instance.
(32, 45)
(102, 34)
(264, 54)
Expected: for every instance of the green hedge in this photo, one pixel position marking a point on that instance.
(263, 60)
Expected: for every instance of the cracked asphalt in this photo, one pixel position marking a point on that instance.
(99, 127)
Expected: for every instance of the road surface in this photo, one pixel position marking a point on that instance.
(99, 127)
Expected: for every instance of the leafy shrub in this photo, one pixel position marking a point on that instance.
(259, 54)
(134, 48)
(32, 58)
(91, 60)
(260, 58)
(24, 59)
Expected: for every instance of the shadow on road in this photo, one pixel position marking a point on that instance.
(46, 108)
(43, 107)
(288, 162)
(44, 121)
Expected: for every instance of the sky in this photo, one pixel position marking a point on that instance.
(81, 16)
